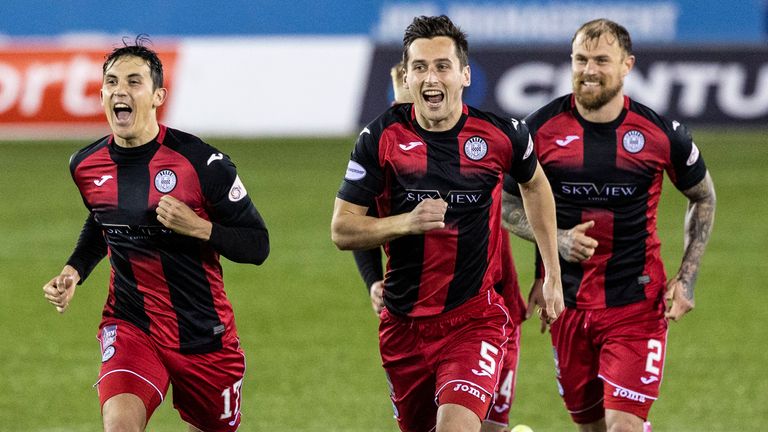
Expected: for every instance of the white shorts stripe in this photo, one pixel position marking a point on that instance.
(134, 373)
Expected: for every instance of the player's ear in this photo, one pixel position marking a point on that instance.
(466, 76)
(158, 98)
(628, 64)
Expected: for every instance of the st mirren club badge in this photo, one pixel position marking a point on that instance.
(633, 141)
(165, 181)
(475, 148)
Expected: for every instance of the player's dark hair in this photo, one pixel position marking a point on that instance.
(592, 30)
(434, 26)
(138, 48)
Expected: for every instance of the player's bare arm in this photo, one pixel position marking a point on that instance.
(539, 204)
(573, 244)
(352, 229)
(60, 290)
(176, 215)
(699, 219)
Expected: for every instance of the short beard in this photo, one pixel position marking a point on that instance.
(594, 102)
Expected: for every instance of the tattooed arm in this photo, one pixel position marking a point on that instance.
(698, 225)
(572, 244)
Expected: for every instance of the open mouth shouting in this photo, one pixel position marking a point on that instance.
(122, 113)
(433, 98)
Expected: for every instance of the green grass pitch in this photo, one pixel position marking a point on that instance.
(305, 320)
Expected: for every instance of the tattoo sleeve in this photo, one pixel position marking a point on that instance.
(699, 219)
(513, 217)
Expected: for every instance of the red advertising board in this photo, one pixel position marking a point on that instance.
(47, 87)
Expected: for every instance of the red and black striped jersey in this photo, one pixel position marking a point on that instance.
(612, 173)
(396, 164)
(167, 284)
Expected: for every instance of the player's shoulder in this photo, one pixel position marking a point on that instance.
(557, 106)
(511, 126)
(82, 154)
(192, 147)
(399, 113)
(672, 128)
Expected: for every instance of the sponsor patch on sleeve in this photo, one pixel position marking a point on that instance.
(355, 171)
(529, 149)
(237, 191)
(694, 156)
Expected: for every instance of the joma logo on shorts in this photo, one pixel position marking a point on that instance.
(471, 390)
(629, 394)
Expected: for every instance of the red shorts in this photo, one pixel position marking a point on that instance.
(505, 392)
(206, 387)
(454, 357)
(610, 358)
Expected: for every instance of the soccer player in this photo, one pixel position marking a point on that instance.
(163, 205)
(605, 155)
(433, 170)
(369, 266)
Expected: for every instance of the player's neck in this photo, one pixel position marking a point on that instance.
(145, 136)
(439, 125)
(606, 113)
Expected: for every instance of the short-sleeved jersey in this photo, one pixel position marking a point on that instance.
(168, 285)
(396, 164)
(612, 173)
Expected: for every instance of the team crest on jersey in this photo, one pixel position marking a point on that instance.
(165, 181)
(475, 148)
(634, 141)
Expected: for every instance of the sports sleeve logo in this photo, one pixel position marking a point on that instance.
(694, 156)
(529, 149)
(355, 171)
(237, 191)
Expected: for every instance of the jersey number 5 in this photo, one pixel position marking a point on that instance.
(488, 362)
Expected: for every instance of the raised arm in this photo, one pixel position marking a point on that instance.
(699, 219)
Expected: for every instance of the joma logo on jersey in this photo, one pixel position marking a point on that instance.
(459, 198)
(591, 190)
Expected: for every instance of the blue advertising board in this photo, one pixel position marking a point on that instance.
(504, 21)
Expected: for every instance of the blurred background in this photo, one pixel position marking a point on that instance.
(284, 88)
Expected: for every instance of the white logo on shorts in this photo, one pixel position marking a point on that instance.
(107, 354)
(108, 338)
(471, 390)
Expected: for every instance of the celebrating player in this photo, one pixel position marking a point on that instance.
(433, 170)
(605, 156)
(369, 266)
(163, 205)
